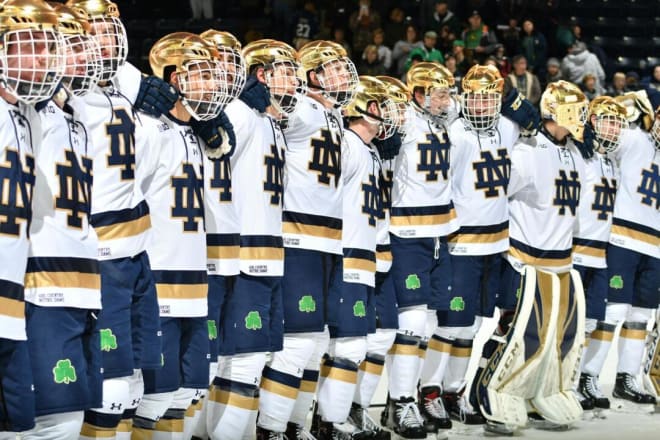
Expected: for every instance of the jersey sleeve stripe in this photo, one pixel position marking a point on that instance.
(11, 307)
(312, 220)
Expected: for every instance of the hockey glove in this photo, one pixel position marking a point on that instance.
(255, 94)
(522, 112)
(217, 134)
(388, 148)
(589, 143)
(155, 96)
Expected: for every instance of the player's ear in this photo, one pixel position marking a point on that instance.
(260, 73)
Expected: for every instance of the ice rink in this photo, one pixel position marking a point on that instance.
(618, 425)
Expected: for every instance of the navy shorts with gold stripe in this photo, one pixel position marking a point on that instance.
(594, 283)
(251, 321)
(354, 310)
(633, 278)
(130, 315)
(185, 360)
(65, 352)
(219, 288)
(507, 297)
(17, 399)
(475, 284)
(310, 279)
(421, 272)
(387, 314)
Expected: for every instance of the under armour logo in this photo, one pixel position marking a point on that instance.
(115, 406)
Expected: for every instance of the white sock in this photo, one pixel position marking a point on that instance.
(404, 366)
(596, 352)
(459, 359)
(631, 347)
(437, 357)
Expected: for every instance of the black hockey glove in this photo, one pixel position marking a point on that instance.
(217, 133)
(522, 112)
(255, 94)
(589, 143)
(155, 96)
(388, 148)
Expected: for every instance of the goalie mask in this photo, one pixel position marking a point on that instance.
(638, 108)
(564, 103)
(231, 60)
(437, 84)
(655, 129)
(281, 72)
(608, 118)
(31, 50)
(195, 65)
(82, 53)
(373, 91)
(336, 74)
(109, 32)
(481, 99)
(400, 97)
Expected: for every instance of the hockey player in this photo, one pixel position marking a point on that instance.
(544, 190)
(633, 265)
(312, 219)
(384, 323)
(421, 217)
(371, 113)
(252, 315)
(175, 193)
(62, 280)
(31, 54)
(607, 118)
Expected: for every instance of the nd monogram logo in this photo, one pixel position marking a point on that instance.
(434, 157)
(122, 143)
(370, 204)
(604, 198)
(16, 184)
(492, 174)
(188, 198)
(567, 192)
(273, 184)
(75, 188)
(221, 179)
(649, 188)
(326, 158)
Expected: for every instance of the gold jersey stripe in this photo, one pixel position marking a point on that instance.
(384, 256)
(222, 252)
(261, 253)
(359, 264)
(588, 250)
(12, 307)
(311, 230)
(169, 425)
(423, 220)
(308, 386)
(479, 238)
(537, 261)
(635, 235)
(182, 291)
(404, 349)
(80, 280)
(124, 229)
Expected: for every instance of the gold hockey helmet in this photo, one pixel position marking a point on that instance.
(610, 119)
(564, 103)
(401, 96)
(231, 59)
(371, 90)
(481, 99)
(638, 106)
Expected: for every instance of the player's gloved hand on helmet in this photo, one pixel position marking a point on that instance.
(217, 134)
(155, 96)
(388, 148)
(255, 94)
(589, 143)
(522, 112)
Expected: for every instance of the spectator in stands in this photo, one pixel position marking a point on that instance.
(394, 27)
(564, 37)
(402, 48)
(534, 47)
(446, 40)
(632, 80)
(580, 62)
(306, 24)
(652, 81)
(370, 64)
(384, 52)
(553, 72)
(590, 87)
(618, 86)
(479, 40)
(458, 50)
(444, 17)
(450, 64)
(526, 82)
(362, 23)
(502, 61)
(339, 36)
(511, 37)
(201, 9)
(428, 50)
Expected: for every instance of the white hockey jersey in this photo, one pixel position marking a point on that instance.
(598, 189)
(480, 167)
(421, 194)
(175, 194)
(222, 224)
(383, 248)
(19, 133)
(257, 165)
(544, 193)
(360, 168)
(636, 221)
(63, 269)
(312, 217)
(120, 214)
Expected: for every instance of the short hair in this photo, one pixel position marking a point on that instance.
(518, 58)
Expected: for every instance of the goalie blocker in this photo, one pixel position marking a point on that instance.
(535, 364)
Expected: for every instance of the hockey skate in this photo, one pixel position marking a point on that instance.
(359, 417)
(537, 421)
(297, 432)
(432, 409)
(589, 388)
(459, 409)
(265, 434)
(629, 397)
(404, 419)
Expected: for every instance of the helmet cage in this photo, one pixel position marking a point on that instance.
(83, 63)
(608, 132)
(338, 79)
(203, 85)
(110, 34)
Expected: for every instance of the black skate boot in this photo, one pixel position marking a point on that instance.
(589, 387)
(359, 417)
(433, 410)
(340, 431)
(404, 418)
(459, 409)
(297, 432)
(264, 434)
(626, 388)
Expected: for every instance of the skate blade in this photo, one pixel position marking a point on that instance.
(628, 407)
(595, 414)
(470, 431)
(498, 430)
(546, 425)
(442, 434)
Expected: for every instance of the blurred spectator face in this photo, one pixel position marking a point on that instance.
(441, 8)
(520, 66)
(528, 26)
(396, 15)
(371, 54)
(500, 51)
(475, 21)
(577, 31)
(429, 42)
(411, 34)
(513, 23)
(450, 63)
(656, 73)
(378, 38)
(552, 69)
(458, 49)
(339, 35)
(619, 81)
(491, 61)
(589, 82)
